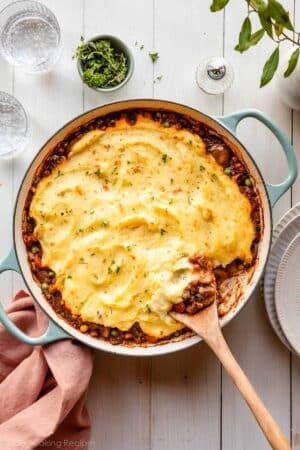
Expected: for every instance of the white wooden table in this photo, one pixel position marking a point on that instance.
(182, 401)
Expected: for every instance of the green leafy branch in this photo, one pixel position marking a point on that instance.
(276, 24)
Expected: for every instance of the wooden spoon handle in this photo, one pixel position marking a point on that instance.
(268, 425)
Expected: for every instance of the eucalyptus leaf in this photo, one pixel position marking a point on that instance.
(279, 14)
(244, 36)
(259, 5)
(270, 68)
(256, 37)
(278, 29)
(217, 5)
(292, 62)
(266, 22)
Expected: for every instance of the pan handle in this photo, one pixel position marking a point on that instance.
(53, 332)
(275, 191)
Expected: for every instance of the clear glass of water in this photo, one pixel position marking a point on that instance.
(13, 125)
(29, 36)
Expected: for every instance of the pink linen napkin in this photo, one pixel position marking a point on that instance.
(42, 389)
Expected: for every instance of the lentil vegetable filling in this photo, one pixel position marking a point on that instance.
(127, 216)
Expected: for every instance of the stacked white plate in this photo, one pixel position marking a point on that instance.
(282, 280)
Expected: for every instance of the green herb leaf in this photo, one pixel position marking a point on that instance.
(244, 36)
(279, 14)
(105, 223)
(270, 68)
(154, 56)
(292, 62)
(217, 5)
(266, 22)
(59, 174)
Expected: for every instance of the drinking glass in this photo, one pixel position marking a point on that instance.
(13, 125)
(29, 36)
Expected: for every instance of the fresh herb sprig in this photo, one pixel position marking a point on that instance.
(103, 66)
(275, 22)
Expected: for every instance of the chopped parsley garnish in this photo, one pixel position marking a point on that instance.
(227, 171)
(98, 173)
(162, 231)
(172, 180)
(164, 157)
(202, 168)
(104, 223)
(149, 309)
(166, 124)
(109, 270)
(103, 65)
(154, 56)
(213, 177)
(158, 78)
(118, 269)
(59, 174)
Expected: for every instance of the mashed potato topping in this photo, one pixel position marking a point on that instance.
(118, 220)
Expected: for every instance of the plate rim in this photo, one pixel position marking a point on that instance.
(279, 277)
(269, 299)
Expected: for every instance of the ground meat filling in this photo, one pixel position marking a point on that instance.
(198, 294)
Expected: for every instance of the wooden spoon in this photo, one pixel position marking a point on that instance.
(206, 324)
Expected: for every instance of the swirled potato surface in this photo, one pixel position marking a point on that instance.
(119, 219)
